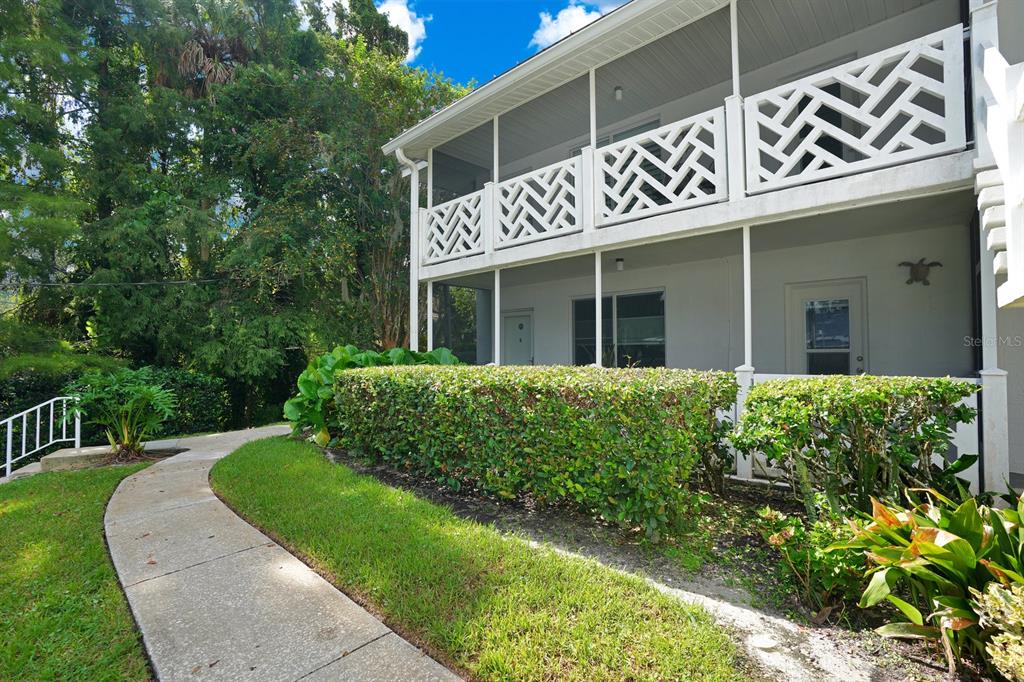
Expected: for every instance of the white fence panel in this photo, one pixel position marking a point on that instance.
(541, 204)
(895, 106)
(679, 165)
(454, 229)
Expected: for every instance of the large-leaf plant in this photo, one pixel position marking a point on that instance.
(931, 561)
(307, 411)
(129, 405)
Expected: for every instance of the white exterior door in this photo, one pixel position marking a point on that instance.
(517, 338)
(826, 327)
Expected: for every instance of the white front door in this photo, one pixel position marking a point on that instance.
(517, 338)
(826, 327)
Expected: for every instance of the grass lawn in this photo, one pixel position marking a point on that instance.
(62, 612)
(493, 606)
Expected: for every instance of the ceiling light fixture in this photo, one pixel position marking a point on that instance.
(620, 264)
(618, 93)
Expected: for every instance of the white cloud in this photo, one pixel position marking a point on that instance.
(403, 16)
(569, 19)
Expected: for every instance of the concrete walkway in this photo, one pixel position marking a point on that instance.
(217, 599)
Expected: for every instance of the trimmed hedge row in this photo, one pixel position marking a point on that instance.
(617, 444)
(857, 437)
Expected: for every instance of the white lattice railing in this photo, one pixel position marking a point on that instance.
(39, 427)
(680, 165)
(895, 106)
(540, 204)
(455, 228)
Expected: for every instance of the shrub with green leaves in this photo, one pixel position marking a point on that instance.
(857, 437)
(127, 404)
(1002, 610)
(931, 560)
(309, 409)
(203, 403)
(619, 444)
(828, 579)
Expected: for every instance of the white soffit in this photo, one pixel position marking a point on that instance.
(613, 35)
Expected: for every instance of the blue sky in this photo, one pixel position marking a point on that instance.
(478, 39)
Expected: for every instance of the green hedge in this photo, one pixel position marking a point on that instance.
(203, 404)
(849, 438)
(618, 444)
(29, 379)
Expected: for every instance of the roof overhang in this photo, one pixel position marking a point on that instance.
(617, 33)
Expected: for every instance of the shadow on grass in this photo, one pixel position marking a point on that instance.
(493, 606)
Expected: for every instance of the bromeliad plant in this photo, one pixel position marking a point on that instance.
(128, 405)
(308, 411)
(932, 560)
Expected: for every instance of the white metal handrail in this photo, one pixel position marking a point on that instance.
(57, 412)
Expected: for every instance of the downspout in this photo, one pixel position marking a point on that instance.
(414, 260)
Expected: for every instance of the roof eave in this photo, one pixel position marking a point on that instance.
(542, 61)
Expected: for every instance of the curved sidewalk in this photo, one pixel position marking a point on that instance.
(217, 599)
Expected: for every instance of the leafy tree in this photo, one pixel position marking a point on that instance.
(210, 180)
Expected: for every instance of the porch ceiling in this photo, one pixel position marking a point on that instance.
(657, 49)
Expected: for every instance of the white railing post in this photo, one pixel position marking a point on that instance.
(734, 147)
(745, 379)
(490, 216)
(585, 183)
(78, 429)
(995, 429)
(10, 445)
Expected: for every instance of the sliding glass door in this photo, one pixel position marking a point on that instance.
(632, 330)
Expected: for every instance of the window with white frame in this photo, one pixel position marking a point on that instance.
(632, 330)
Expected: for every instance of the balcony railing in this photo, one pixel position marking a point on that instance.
(895, 106)
(544, 203)
(680, 165)
(900, 105)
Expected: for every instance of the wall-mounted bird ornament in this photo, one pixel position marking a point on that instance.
(919, 271)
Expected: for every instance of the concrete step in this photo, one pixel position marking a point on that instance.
(991, 197)
(993, 217)
(23, 472)
(997, 239)
(67, 459)
(999, 263)
(987, 178)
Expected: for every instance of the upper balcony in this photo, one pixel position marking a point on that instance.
(842, 89)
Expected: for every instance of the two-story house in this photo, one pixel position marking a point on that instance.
(775, 187)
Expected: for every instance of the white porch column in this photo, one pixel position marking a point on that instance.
(430, 315)
(736, 171)
(984, 34)
(598, 289)
(497, 317)
(414, 250)
(593, 107)
(994, 416)
(745, 372)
